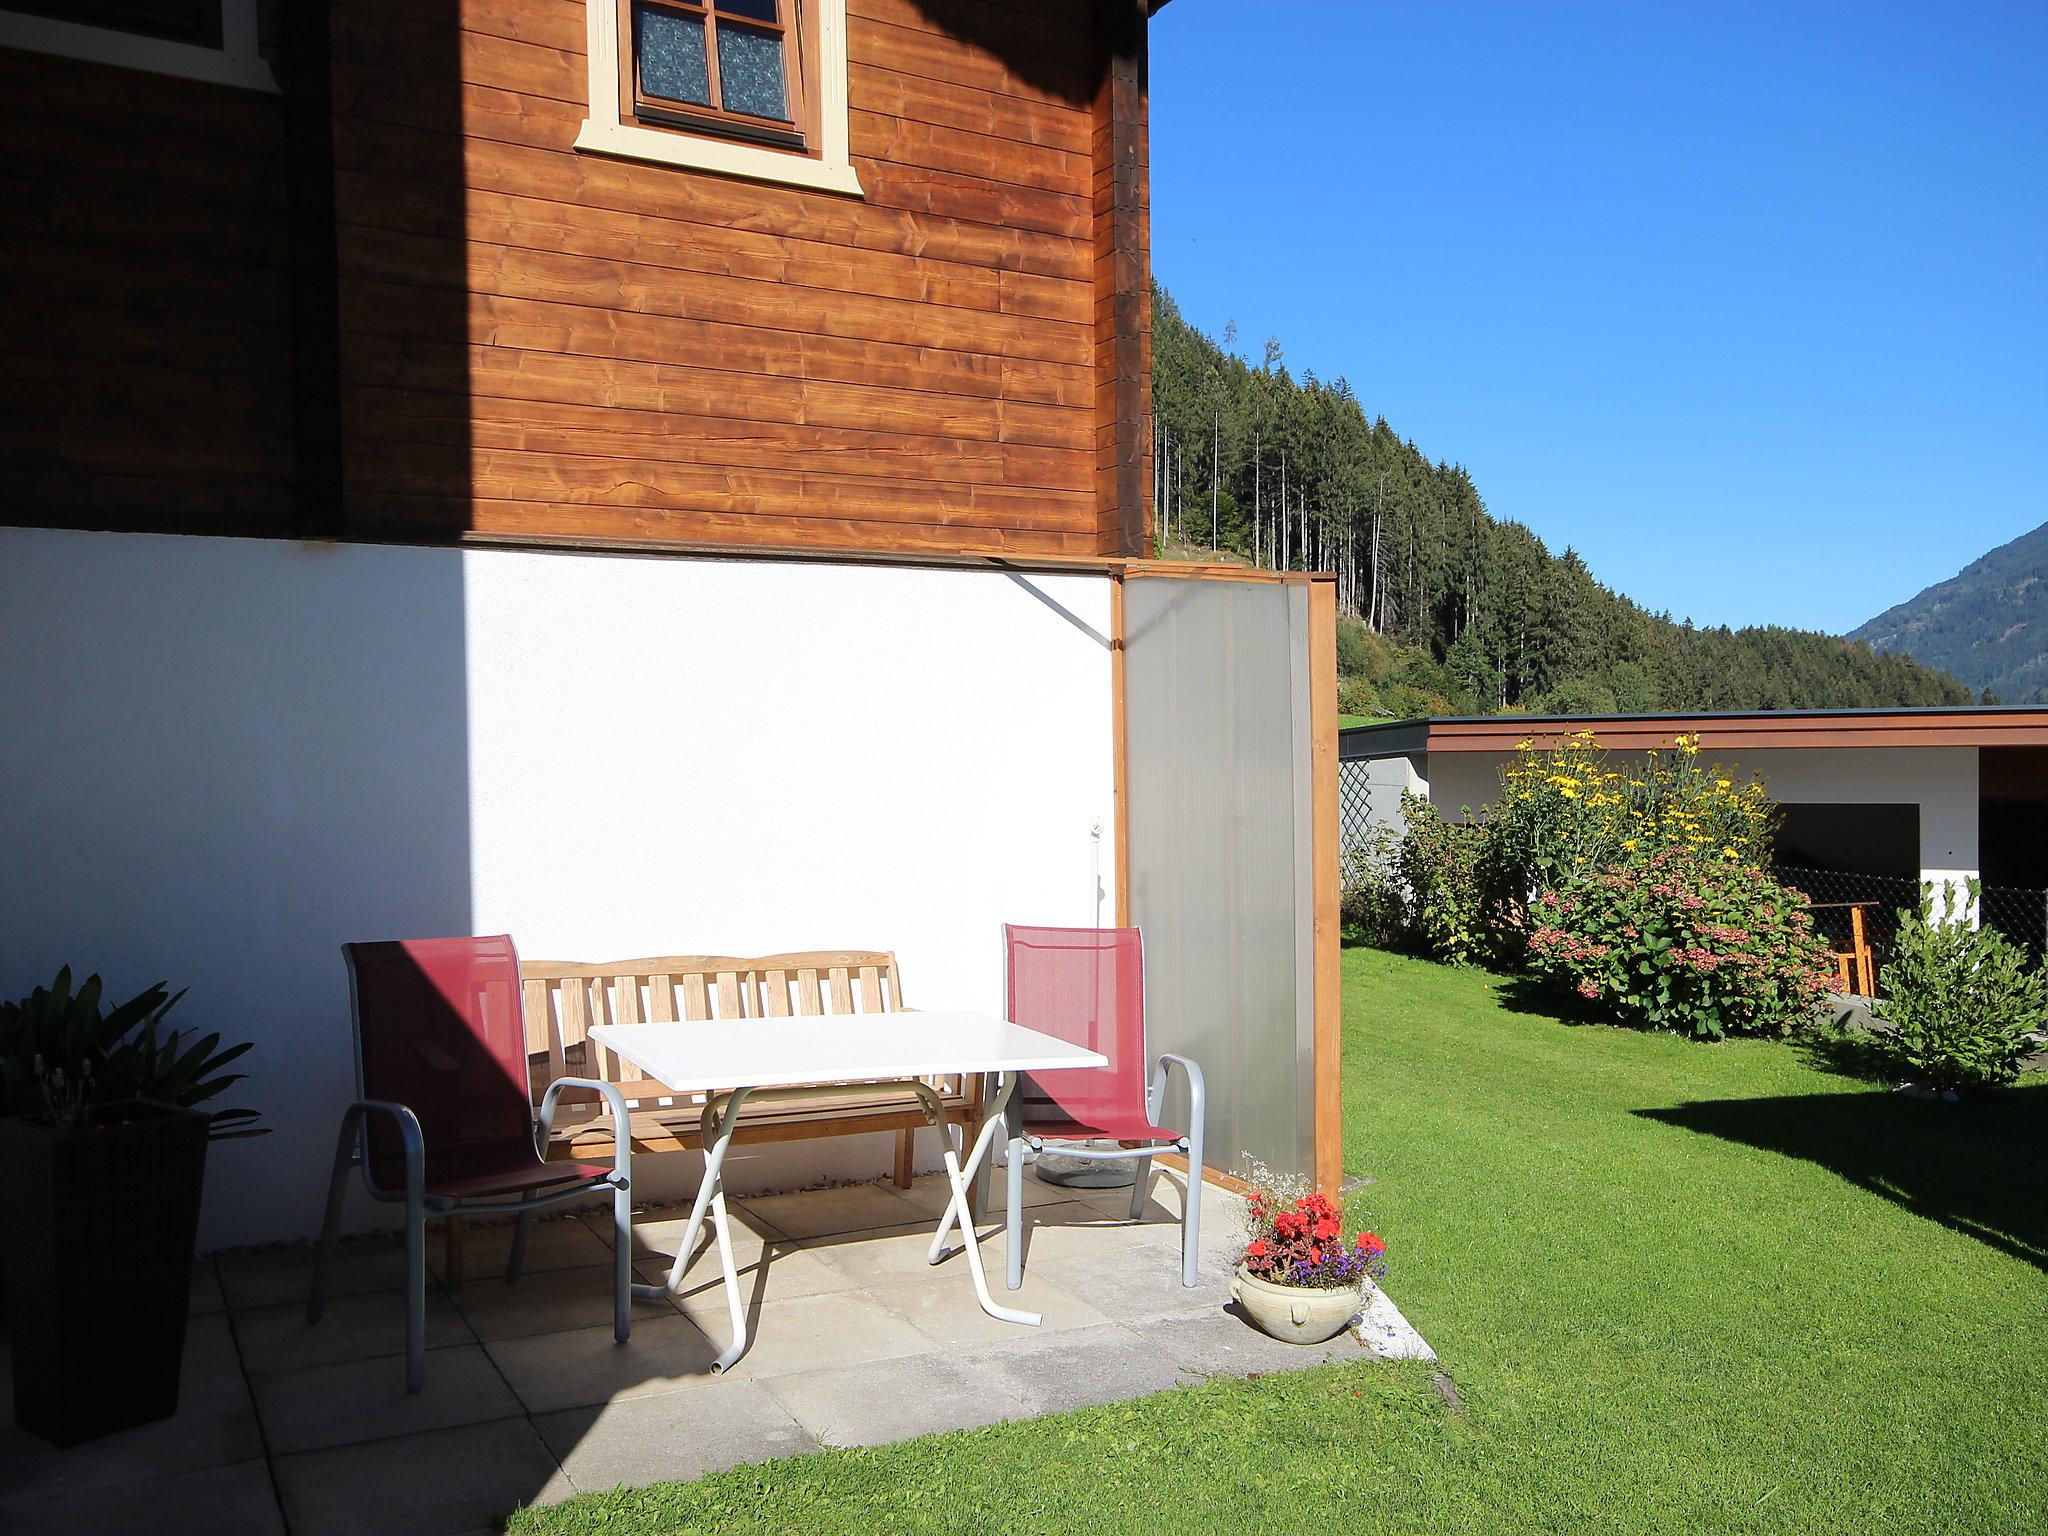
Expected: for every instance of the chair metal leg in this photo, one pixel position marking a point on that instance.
(622, 1259)
(1013, 1258)
(1139, 1189)
(330, 1222)
(1191, 1215)
(415, 1286)
(516, 1260)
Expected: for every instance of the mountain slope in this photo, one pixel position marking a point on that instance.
(1465, 613)
(1987, 624)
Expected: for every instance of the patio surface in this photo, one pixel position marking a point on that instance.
(286, 1427)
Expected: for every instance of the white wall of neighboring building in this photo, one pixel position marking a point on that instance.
(1942, 781)
(223, 758)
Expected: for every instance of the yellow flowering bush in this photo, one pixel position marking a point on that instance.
(1576, 807)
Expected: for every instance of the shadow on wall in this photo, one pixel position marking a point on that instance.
(224, 758)
(1978, 1168)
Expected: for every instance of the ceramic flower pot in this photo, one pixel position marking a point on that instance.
(1297, 1314)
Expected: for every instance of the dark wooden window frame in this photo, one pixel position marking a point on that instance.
(794, 25)
(140, 19)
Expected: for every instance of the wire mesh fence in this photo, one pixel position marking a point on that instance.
(1844, 903)
(1361, 803)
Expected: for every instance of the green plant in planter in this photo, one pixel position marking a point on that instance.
(1963, 1007)
(57, 1049)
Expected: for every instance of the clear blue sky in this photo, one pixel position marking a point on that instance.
(1749, 302)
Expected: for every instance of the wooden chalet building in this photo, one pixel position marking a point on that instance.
(650, 476)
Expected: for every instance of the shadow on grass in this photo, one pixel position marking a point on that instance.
(1980, 1168)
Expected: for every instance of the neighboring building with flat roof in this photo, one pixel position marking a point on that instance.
(1920, 794)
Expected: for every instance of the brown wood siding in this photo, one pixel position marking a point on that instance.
(145, 363)
(545, 343)
(1122, 197)
(539, 343)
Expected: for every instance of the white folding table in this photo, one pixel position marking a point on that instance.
(732, 1060)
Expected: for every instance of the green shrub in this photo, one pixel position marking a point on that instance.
(1702, 946)
(1962, 1005)
(1354, 650)
(1437, 870)
(1375, 903)
(61, 1054)
(1356, 696)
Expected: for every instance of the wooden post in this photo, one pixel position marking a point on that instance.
(1866, 984)
(1120, 766)
(1328, 971)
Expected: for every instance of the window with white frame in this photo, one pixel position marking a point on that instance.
(210, 40)
(753, 88)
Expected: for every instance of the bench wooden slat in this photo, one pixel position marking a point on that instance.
(563, 999)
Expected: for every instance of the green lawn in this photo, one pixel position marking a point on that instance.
(1677, 1287)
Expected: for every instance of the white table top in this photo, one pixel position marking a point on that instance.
(702, 1055)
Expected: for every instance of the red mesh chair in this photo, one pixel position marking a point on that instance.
(443, 1119)
(1087, 986)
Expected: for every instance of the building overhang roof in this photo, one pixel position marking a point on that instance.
(1960, 726)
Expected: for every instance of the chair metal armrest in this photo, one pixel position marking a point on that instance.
(411, 1138)
(615, 1107)
(1197, 1088)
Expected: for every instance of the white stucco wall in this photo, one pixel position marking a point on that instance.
(223, 758)
(1371, 789)
(1942, 781)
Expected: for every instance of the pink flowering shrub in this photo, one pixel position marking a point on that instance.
(1702, 946)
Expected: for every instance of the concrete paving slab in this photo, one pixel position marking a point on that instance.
(211, 1502)
(881, 1401)
(351, 1328)
(676, 1435)
(1104, 1364)
(584, 1367)
(891, 1256)
(206, 1292)
(805, 1332)
(556, 1242)
(929, 1191)
(818, 1213)
(548, 1301)
(942, 1306)
(1138, 1284)
(771, 1267)
(432, 1484)
(210, 1348)
(215, 1426)
(271, 1277)
(325, 1405)
(1225, 1343)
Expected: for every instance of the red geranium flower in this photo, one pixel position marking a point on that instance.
(1256, 1249)
(1326, 1228)
(1371, 1242)
(1290, 1223)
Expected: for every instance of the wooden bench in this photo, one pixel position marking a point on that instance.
(563, 1000)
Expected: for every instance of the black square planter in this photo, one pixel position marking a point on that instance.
(97, 1228)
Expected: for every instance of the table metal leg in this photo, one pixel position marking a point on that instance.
(711, 1199)
(960, 1206)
